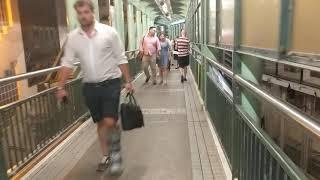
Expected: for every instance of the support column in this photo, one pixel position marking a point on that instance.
(119, 19)
(131, 28)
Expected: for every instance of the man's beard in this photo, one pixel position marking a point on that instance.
(86, 23)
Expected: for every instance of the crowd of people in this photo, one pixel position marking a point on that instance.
(160, 51)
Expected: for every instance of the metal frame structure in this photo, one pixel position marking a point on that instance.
(248, 94)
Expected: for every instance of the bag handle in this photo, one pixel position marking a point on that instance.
(131, 98)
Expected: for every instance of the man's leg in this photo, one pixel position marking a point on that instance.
(145, 67)
(114, 146)
(181, 69)
(102, 134)
(185, 72)
(153, 65)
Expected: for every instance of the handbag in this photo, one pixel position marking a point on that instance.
(131, 114)
(140, 53)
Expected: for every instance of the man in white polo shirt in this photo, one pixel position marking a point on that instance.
(103, 61)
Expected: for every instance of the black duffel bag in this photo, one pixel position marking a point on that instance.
(131, 114)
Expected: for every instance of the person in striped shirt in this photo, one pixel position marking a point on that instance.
(183, 45)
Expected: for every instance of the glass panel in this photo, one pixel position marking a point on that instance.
(119, 23)
(293, 142)
(126, 26)
(197, 26)
(132, 27)
(290, 136)
(104, 11)
(200, 23)
(212, 22)
(305, 35)
(226, 21)
(139, 25)
(255, 31)
(314, 159)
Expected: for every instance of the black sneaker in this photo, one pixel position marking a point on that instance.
(147, 80)
(102, 166)
(182, 79)
(185, 79)
(154, 83)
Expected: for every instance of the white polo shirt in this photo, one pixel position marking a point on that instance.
(100, 54)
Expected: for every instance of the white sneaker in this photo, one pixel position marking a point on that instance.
(116, 164)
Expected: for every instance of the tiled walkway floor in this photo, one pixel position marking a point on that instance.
(175, 144)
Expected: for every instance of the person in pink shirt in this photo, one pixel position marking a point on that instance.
(150, 47)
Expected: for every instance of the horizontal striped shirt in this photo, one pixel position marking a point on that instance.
(183, 46)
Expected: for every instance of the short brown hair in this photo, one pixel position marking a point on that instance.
(81, 3)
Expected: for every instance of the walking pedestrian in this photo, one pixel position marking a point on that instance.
(164, 58)
(150, 47)
(103, 62)
(183, 45)
(175, 52)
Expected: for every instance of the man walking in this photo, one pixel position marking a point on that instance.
(150, 47)
(183, 45)
(103, 61)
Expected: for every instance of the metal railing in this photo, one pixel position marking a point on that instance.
(29, 125)
(251, 152)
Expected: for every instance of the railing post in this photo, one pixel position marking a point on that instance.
(3, 171)
(236, 68)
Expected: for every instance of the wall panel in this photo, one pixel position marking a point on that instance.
(306, 26)
(226, 21)
(260, 23)
(212, 22)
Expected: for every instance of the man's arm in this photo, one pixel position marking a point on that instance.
(119, 53)
(64, 74)
(125, 72)
(67, 65)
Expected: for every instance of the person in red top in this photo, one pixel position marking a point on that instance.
(150, 47)
(183, 45)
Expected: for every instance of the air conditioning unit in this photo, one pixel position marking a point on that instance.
(289, 72)
(270, 68)
(311, 77)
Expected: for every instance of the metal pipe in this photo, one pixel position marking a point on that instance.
(30, 74)
(299, 117)
(36, 73)
(221, 67)
(281, 61)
